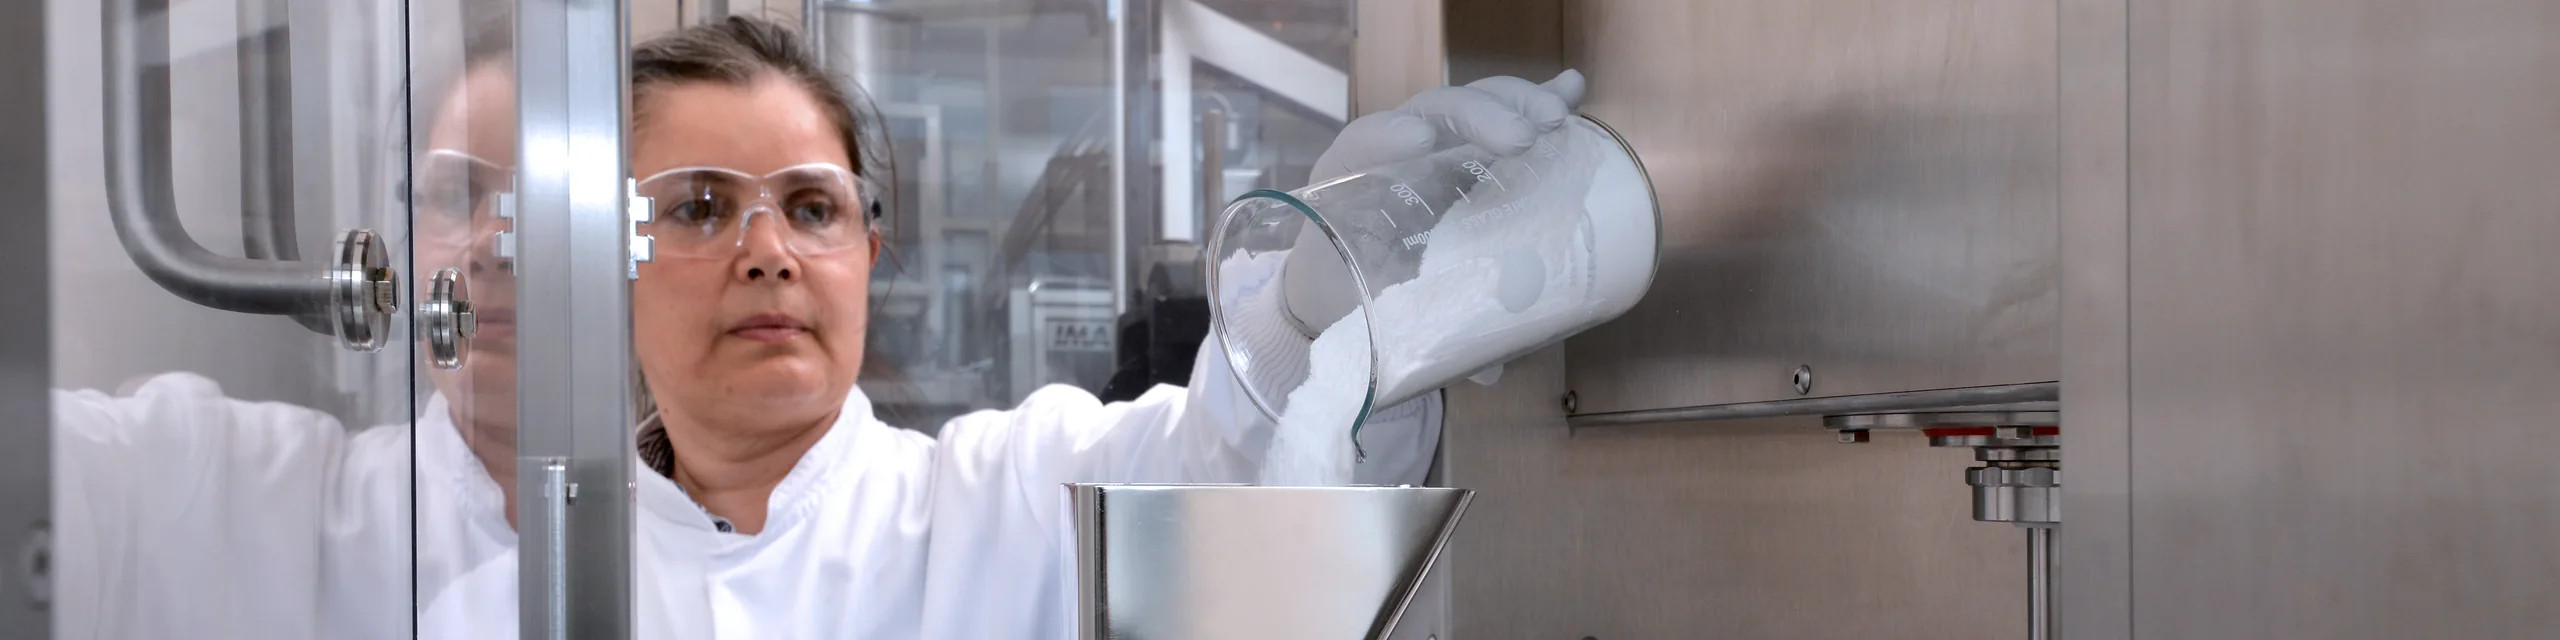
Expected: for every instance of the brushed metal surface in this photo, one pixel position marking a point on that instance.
(573, 353)
(2093, 576)
(2345, 328)
(1162, 562)
(1868, 188)
(1753, 529)
(2033, 396)
(1396, 52)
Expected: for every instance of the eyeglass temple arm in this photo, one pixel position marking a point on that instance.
(140, 198)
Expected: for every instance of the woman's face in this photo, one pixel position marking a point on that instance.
(470, 148)
(764, 329)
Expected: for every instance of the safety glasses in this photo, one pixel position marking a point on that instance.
(701, 212)
(708, 212)
(456, 194)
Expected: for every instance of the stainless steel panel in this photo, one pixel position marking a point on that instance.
(574, 314)
(1396, 52)
(1483, 38)
(2345, 318)
(1757, 529)
(26, 326)
(2094, 580)
(1865, 188)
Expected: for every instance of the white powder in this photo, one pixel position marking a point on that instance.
(1311, 446)
(1500, 277)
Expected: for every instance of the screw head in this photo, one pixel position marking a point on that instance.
(1572, 402)
(35, 565)
(1803, 379)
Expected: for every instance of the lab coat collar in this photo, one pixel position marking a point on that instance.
(808, 485)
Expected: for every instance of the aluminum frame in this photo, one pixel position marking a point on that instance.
(573, 358)
(2093, 576)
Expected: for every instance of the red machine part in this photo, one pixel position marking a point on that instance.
(1952, 432)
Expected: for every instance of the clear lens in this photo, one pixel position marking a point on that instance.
(456, 196)
(707, 212)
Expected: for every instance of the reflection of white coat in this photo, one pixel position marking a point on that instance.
(183, 513)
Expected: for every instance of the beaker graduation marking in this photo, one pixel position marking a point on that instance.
(1413, 199)
(1484, 174)
(1462, 195)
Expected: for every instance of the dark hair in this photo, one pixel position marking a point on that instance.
(740, 50)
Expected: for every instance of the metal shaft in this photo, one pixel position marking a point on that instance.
(2039, 583)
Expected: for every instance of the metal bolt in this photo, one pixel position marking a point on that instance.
(1572, 403)
(1853, 436)
(384, 287)
(1804, 379)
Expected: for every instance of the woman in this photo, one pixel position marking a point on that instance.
(778, 506)
(782, 508)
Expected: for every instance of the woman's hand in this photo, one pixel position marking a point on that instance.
(1501, 114)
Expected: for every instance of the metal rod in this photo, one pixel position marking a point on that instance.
(2039, 582)
(267, 228)
(1213, 161)
(813, 26)
(555, 541)
(710, 11)
(1120, 152)
(141, 201)
(266, 144)
(1936, 399)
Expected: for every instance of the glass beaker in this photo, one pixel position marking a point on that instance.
(1454, 262)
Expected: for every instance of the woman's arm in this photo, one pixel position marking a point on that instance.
(1000, 521)
(183, 513)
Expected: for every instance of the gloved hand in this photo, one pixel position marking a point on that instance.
(1504, 115)
(1501, 114)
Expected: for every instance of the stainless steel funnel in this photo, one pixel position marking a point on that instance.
(1166, 562)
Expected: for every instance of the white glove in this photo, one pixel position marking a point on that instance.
(1503, 115)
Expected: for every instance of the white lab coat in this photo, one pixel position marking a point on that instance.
(882, 532)
(183, 513)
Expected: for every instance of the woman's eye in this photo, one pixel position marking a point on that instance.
(813, 212)
(692, 211)
(444, 196)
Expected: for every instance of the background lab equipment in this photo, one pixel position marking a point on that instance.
(2266, 281)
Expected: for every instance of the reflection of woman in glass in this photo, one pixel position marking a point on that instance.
(777, 505)
(182, 513)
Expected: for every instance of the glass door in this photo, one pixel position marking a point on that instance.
(461, 129)
(303, 270)
(236, 339)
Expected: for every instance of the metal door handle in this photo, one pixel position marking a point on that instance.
(352, 299)
(445, 317)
